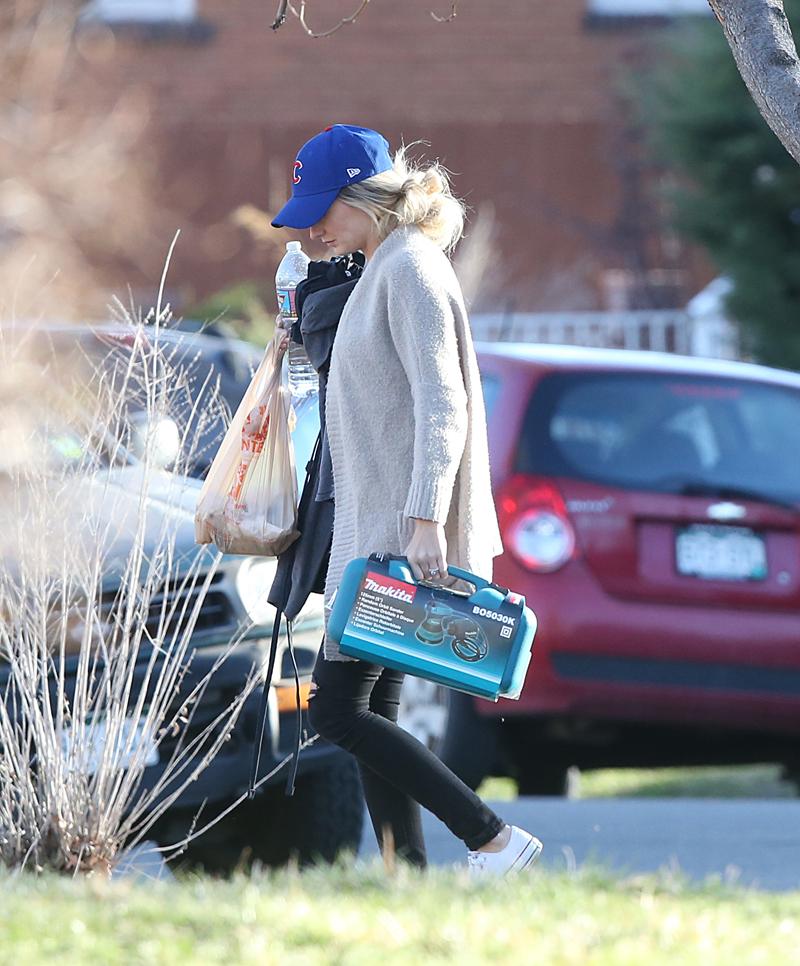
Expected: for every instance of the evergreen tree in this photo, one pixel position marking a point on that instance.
(736, 191)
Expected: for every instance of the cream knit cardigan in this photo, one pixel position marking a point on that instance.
(405, 416)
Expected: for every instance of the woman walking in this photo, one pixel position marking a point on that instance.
(407, 432)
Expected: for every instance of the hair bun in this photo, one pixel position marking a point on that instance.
(407, 195)
(432, 182)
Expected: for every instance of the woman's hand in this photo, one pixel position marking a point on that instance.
(427, 551)
(280, 326)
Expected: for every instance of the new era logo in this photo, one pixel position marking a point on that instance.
(352, 172)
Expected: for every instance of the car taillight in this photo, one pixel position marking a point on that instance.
(535, 524)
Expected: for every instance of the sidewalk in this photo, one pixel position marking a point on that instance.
(754, 842)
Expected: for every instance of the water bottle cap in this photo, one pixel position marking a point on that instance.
(294, 246)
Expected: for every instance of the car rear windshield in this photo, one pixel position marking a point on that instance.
(665, 433)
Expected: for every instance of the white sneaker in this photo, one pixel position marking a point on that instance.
(522, 851)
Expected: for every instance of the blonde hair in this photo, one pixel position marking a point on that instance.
(406, 195)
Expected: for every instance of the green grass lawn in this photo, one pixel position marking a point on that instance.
(739, 781)
(368, 917)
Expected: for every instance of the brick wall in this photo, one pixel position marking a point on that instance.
(516, 98)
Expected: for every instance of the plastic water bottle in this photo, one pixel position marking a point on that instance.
(292, 270)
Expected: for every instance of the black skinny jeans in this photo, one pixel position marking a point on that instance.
(355, 706)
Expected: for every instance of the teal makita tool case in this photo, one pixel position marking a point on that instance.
(479, 643)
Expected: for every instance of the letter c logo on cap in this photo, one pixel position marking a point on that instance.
(297, 178)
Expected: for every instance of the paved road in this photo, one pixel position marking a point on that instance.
(755, 842)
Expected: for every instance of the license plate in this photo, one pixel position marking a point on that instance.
(133, 742)
(720, 553)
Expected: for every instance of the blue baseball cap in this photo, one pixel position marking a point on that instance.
(340, 155)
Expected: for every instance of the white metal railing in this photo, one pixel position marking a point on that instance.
(663, 330)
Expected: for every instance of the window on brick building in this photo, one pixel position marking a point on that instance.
(140, 11)
(646, 8)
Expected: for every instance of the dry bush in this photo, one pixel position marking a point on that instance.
(98, 599)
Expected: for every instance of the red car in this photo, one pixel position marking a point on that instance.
(650, 512)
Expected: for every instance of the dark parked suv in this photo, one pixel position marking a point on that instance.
(650, 511)
(326, 812)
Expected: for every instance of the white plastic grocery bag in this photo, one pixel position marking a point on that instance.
(248, 503)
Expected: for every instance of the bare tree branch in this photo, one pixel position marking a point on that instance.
(450, 16)
(280, 15)
(301, 16)
(285, 6)
(760, 38)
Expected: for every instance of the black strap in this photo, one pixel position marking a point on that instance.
(296, 753)
(273, 653)
(262, 713)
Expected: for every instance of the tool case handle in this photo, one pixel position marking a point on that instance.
(479, 582)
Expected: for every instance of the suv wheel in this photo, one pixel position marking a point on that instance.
(547, 777)
(324, 817)
(446, 722)
(791, 773)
